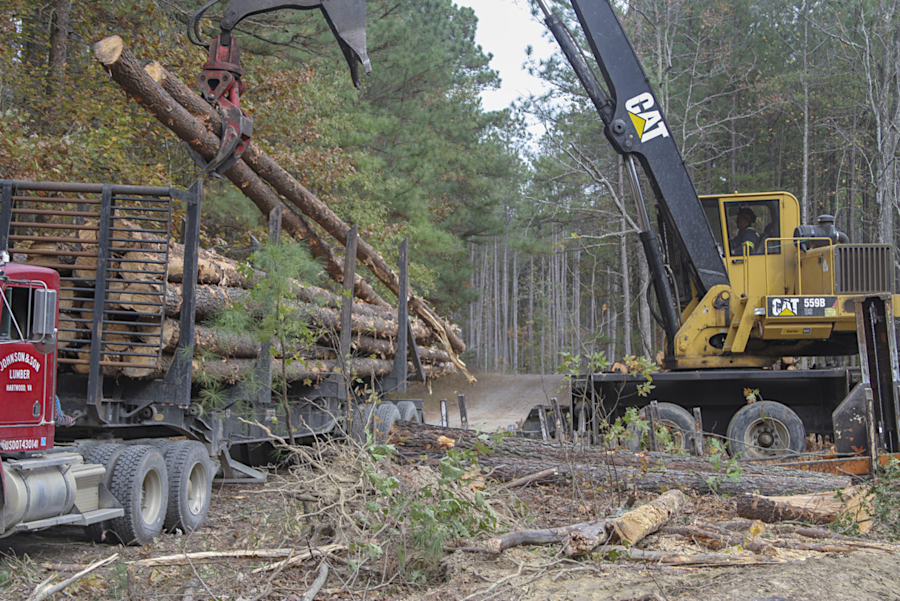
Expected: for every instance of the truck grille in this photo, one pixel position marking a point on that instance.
(863, 268)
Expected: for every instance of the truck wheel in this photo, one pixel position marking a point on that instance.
(765, 429)
(673, 418)
(361, 421)
(408, 412)
(139, 483)
(190, 486)
(103, 454)
(385, 416)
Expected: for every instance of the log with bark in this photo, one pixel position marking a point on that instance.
(851, 504)
(210, 300)
(514, 457)
(580, 539)
(127, 72)
(212, 268)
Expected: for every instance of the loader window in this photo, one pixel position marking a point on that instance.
(754, 225)
(711, 209)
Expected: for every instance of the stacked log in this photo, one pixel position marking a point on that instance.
(143, 345)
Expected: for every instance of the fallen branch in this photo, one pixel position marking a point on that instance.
(323, 551)
(718, 541)
(207, 556)
(525, 480)
(706, 560)
(580, 539)
(596, 530)
(43, 590)
(317, 584)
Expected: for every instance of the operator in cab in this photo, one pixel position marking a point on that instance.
(746, 235)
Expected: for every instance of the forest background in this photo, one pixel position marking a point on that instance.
(529, 244)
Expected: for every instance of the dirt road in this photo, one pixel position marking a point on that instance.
(494, 402)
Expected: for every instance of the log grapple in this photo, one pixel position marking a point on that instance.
(220, 81)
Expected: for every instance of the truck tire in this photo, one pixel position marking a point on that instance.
(104, 454)
(672, 417)
(408, 412)
(385, 416)
(765, 429)
(140, 484)
(361, 417)
(190, 486)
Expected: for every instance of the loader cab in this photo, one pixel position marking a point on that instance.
(751, 231)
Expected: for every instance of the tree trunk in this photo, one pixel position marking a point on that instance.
(514, 457)
(59, 34)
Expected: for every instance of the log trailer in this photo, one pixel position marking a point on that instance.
(85, 441)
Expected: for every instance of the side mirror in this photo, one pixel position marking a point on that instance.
(43, 320)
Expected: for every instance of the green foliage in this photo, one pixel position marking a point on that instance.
(645, 367)
(882, 503)
(719, 456)
(424, 521)
(270, 313)
(571, 365)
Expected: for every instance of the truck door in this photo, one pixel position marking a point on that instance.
(26, 382)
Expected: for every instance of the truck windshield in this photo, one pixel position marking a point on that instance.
(15, 314)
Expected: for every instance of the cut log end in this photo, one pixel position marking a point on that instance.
(108, 50)
(155, 71)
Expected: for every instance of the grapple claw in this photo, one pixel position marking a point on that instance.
(237, 129)
(222, 86)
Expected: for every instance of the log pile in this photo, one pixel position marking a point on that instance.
(263, 181)
(130, 348)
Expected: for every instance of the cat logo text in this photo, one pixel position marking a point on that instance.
(647, 121)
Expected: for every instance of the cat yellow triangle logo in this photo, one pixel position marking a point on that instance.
(786, 312)
(639, 124)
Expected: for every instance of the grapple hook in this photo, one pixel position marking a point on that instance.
(194, 24)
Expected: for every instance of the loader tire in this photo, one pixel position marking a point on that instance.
(190, 486)
(385, 416)
(765, 429)
(673, 418)
(140, 484)
(106, 455)
(408, 412)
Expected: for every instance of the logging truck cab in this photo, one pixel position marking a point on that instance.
(41, 486)
(28, 320)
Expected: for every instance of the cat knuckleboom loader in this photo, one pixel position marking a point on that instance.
(739, 282)
(99, 427)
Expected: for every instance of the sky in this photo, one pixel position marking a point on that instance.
(505, 28)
